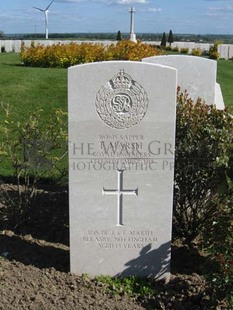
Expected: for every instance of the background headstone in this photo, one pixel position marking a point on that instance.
(230, 51)
(8, 45)
(121, 165)
(223, 50)
(17, 46)
(27, 43)
(197, 75)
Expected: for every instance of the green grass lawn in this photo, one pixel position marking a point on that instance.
(225, 79)
(25, 89)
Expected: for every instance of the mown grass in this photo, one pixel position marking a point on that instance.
(26, 89)
(225, 79)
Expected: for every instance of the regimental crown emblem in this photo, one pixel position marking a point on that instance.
(122, 102)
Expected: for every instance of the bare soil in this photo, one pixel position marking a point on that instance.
(34, 269)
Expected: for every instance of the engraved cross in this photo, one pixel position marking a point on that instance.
(120, 192)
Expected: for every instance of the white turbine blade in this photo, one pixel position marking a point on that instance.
(38, 9)
(49, 5)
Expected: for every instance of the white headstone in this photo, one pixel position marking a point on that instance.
(17, 46)
(197, 75)
(27, 43)
(178, 45)
(230, 51)
(191, 46)
(121, 165)
(8, 45)
(206, 46)
(223, 50)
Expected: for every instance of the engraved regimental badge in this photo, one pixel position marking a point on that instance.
(122, 102)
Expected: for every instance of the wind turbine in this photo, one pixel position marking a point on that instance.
(46, 12)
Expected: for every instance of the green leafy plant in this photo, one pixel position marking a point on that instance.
(196, 52)
(175, 49)
(218, 242)
(168, 48)
(204, 137)
(65, 55)
(213, 51)
(34, 150)
(131, 286)
(184, 50)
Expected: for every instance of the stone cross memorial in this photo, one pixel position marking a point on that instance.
(121, 167)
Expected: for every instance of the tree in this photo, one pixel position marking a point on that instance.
(170, 38)
(164, 40)
(1, 34)
(118, 37)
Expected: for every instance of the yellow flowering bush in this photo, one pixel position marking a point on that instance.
(196, 52)
(66, 55)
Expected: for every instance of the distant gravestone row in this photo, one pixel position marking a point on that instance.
(9, 46)
(225, 50)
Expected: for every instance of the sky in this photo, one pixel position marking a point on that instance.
(153, 16)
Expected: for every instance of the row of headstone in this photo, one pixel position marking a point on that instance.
(225, 51)
(121, 160)
(15, 45)
(204, 47)
(191, 45)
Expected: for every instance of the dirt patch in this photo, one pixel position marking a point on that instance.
(34, 269)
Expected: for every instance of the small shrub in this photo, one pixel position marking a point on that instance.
(213, 52)
(184, 50)
(214, 55)
(66, 55)
(196, 52)
(175, 49)
(203, 156)
(218, 243)
(3, 49)
(168, 48)
(34, 150)
(205, 53)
